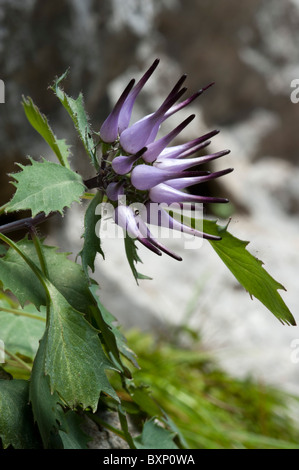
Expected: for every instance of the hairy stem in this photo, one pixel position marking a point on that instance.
(25, 223)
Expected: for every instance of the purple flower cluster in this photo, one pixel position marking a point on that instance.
(145, 168)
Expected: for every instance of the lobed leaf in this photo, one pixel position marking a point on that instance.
(45, 187)
(75, 360)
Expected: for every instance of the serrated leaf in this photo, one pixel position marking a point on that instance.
(248, 270)
(92, 242)
(76, 110)
(133, 258)
(153, 436)
(45, 187)
(40, 123)
(59, 429)
(21, 334)
(47, 407)
(16, 420)
(74, 437)
(65, 274)
(74, 358)
(114, 339)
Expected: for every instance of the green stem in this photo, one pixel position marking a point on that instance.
(125, 428)
(103, 423)
(22, 313)
(18, 360)
(40, 253)
(88, 196)
(2, 208)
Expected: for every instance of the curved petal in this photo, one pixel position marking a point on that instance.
(165, 193)
(145, 130)
(155, 148)
(163, 219)
(109, 128)
(182, 183)
(115, 190)
(172, 164)
(127, 108)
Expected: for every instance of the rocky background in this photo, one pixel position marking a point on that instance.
(251, 50)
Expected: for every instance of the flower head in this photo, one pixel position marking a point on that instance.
(148, 170)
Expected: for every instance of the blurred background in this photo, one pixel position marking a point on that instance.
(250, 50)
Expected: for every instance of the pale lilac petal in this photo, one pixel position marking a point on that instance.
(165, 193)
(127, 108)
(178, 150)
(125, 218)
(109, 128)
(173, 164)
(181, 183)
(179, 106)
(147, 234)
(144, 177)
(123, 164)
(144, 131)
(154, 149)
(163, 219)
(114, 191)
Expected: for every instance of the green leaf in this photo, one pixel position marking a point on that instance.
(125, 427)
(16, 420)
(66, 275)
(40, 123)
(92, 242)
(47, 406)
(115, 341)
(75, 108)
(45, 187)
(74, 437)
(75, 360)
(155, 437)
(21, 334)
(248, 270)
(133, 257)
